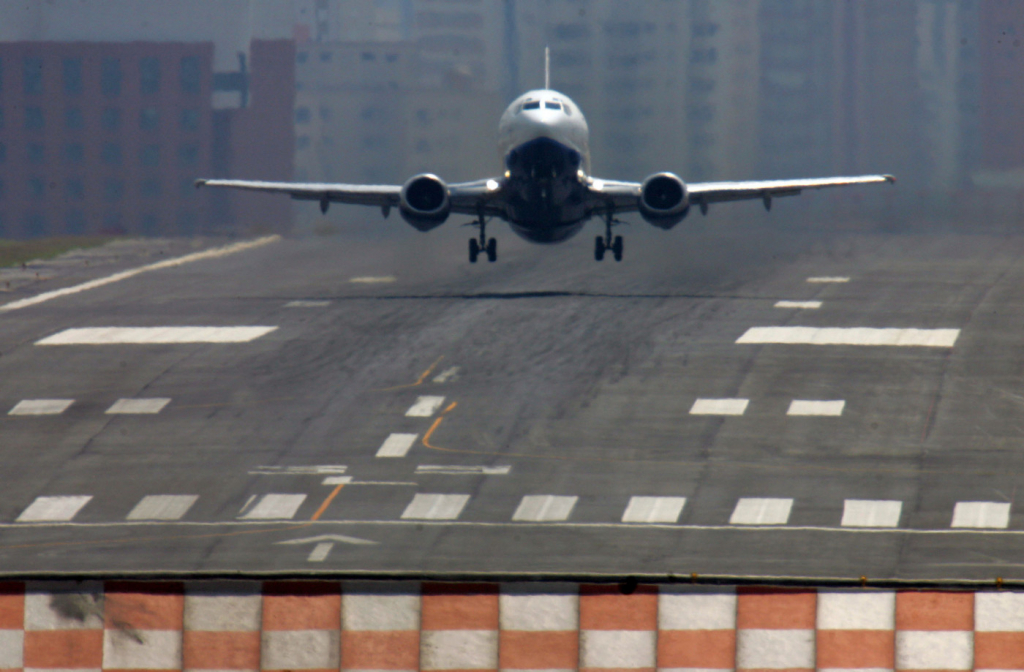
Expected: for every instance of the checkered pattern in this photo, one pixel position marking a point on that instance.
(296, 625)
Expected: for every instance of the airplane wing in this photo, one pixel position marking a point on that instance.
(466, 197)
(625, 196)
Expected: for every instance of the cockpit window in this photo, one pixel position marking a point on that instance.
(532, 105)
(552, 106)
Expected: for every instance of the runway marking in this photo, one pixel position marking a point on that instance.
(807, 407)
(336, 480)
(154, 335)
(449, 374)
(41, 407)
(424, 407)
(53, 508)
(313, 470)
(828, 279)
(719, 407)
(275, 506)
(418, 382)
(320, 552)
(162, 507)
(931, 338)
(435, 507)
(148, 406)
(396, 445)
(372, 279)
(871, 513)
(458, 470)
(761, 511)
(328, 500)
(981, 514)
(806, 305)
(307, 304)
(131, 273)
(653, 509)
(538, 508)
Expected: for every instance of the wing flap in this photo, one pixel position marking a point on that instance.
(356, 194)
(714, 192)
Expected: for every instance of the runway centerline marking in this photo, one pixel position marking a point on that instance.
(538, 508)
(719, 407)
(981, 514)
(154, 335)
(424, 407)
(162, 507)
(805, 305)
(808, 407)
(397, 445)
(419, 381)
(372, 279)
(41, 407)
(435, 507)
(761, 511)
(653, 509)
(824, 279)
(131, 273)
(299, 303)
(147, 406)
(275, 506)
(61, 508)
(462, 470)
(871, 513)
(871, 336)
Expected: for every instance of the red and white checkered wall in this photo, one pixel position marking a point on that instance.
(403, 626)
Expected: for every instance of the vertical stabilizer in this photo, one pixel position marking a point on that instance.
(547, 67)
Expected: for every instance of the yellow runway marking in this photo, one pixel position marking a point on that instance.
(327, 502)
(419, 381)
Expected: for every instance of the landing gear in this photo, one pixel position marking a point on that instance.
(488, 246)
(606, 242)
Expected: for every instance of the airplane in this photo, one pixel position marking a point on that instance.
(547, 193)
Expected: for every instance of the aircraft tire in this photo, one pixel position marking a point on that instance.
(492, 250)
(599, 249)
(617, 248)
(474, 250)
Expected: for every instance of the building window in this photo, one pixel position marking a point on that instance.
(72, 76)
(191, 76)
(113, 190)
(73, 153)
(35, 225)
(111, 154)
(325, 56)
(111, 119)
(302, 142)
(150, 188)
(110, 77)
(188, 155)
(149, 74)
(73, 119)
(1, 190)
(301, 56)
(74, 189)
(189, 120)
(33, 118)
(368, 56)
(1, 75)
(325, 113)
(3, 152)
(32, 77)
(1, 118)
(302, 115)
(149, 118)
(74, 223)
(35, 153)
(36, 187)
(150, 155)
(391, 58)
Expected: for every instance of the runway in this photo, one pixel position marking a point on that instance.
(743, 401)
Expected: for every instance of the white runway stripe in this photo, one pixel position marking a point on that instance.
(435, 507)
(313, 470)
(307, 304)
(131, 273)
(459, 470)
(761, 511)
(41, 407)
(871, 513)
(53, 508)
(448, 374)
(424, 407)
(138, 406)
(828, 279)
(931, 338)
(372, 279)
(162, 507)
(544, 508)
(149, 335)
(320, 552)
(807, 407)
(806, 305)
(274, 506)
(397, 445)
(719, 407)
(981, 514)
(653, 509)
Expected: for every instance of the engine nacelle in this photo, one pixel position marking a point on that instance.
(424, 201)
(664, 200)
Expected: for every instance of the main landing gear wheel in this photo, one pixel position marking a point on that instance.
(482, 244)
(617, 248)
(492, 250)
(474, 250)
(606, 242)
(599, 248)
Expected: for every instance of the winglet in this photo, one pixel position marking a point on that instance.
(200, 183)
(891, 179)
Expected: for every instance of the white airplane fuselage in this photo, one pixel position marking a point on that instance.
(544, 143)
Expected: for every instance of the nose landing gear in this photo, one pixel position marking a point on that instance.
(607, 242)
(488, 246)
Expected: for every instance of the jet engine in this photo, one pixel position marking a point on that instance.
(664, 201)
(424, 201)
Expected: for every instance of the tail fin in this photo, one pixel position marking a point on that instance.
(547, 67)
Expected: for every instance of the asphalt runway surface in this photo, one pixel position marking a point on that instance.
(410, 412)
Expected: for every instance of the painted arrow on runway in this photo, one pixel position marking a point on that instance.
(324, 544)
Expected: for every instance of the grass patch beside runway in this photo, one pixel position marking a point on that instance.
(15, 252)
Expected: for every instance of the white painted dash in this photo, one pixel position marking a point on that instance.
(544, 508)
(424, 407)
(981, 515)
(372, 279)
(41, 407)
(447, 375)
(719, 407)
(154, 335)
(809, 407)
(871, 513)
(275, 507)
(336, 480)
(930, 338)
(761, 511)
(47, 509)
(653, 509)
(822, 279)
(435, 507)
(804, 305)
(460, 470)
(320, 552)
(147, 406)
(397, 445)
(310, 470)
(162, 507)
(301, 303)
